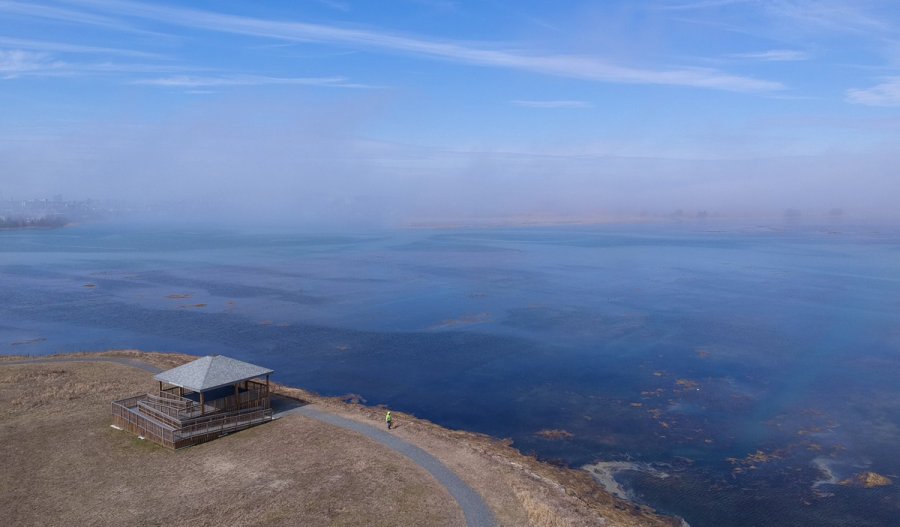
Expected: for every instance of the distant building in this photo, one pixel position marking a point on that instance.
(198, 402)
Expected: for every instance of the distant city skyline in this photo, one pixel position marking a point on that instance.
(411, 109)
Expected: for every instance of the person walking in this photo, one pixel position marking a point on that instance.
(389, 420)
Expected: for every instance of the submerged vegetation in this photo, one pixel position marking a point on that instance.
(867, 480)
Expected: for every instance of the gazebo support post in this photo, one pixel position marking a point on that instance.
(202, 405)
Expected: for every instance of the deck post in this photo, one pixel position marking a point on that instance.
(202, 405)
(237, 395)
(160, 388)
(268, 397)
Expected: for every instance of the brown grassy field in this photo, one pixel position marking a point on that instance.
(64, 465)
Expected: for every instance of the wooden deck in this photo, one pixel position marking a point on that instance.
(176, 422)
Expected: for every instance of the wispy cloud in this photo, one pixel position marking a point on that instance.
(774, 55)
(16, 63)
(25, 63)
(69, 16)
(187, 81)
(571, 66)
(835, 15)
(885, 94)
(841, 16)
(38, 58)
(552, 104)
(785, 18)
(62, 47)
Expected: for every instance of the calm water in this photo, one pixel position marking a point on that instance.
(743, 370)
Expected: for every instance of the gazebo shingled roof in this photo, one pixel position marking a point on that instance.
(211, 372)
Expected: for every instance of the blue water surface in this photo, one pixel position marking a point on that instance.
(753, 366)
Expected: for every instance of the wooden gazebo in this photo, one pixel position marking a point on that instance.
(198, 402)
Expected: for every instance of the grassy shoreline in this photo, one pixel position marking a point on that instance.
(519, 489)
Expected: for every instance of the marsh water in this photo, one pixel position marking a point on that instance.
(738, 373)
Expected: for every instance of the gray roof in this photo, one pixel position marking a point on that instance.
(211, 372)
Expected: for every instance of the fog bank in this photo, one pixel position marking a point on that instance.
(303, 164)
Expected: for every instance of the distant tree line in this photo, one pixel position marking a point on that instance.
(7, 222)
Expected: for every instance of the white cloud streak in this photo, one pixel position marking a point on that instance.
(774, 55)
(69, 16)
(188, 81)
(570, 66)
(839, 16)
(22, 63)
(18, 63)
(885, 94)
(553, 104)
(871, 24)
(62, 47)
(15, 63)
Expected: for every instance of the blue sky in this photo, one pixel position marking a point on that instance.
(407, 109)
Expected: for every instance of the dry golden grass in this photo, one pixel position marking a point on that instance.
(64, 465)
(519, 489)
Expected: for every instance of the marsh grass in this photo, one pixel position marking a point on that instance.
(306, 472)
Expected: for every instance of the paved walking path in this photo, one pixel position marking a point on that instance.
(475, 509)
(473, 506)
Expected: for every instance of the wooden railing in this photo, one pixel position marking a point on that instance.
(252, 398)
(172, 399)
(158, 414)
(142, 425)
(182, 410)
(147, 416)
(131, 402)
(204, 429)
(254, 395)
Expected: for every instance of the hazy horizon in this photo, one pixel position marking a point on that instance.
(422, 110)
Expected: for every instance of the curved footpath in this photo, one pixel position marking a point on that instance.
(473, 506)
